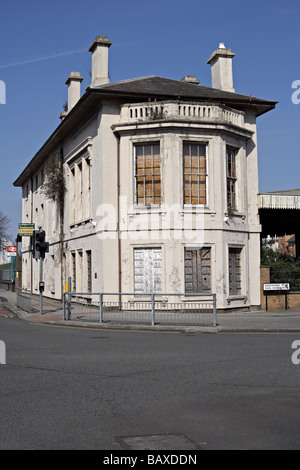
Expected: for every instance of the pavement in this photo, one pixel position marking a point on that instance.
(284, 321)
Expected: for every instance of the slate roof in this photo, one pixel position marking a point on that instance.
(165, 88)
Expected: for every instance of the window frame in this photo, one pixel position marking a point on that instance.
(152, 275)
(200, 267)
(231, 179)
(145, 203)
(238, 283)
(199, 174)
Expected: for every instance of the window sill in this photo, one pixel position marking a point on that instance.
(200, 209)
(235, 214)
(155, 208)
(195, 297)
(80, 223)
(233, 298)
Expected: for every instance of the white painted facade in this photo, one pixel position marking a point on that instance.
(113, 243)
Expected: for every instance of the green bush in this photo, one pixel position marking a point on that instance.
(283, 268)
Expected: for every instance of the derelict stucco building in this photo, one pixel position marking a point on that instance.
(161, 187)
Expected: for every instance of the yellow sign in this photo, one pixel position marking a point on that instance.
(26, 230)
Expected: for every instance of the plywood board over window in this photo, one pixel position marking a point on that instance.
(147, 174)
(231, 177)
(147, 270)
(89, 270)
(235, 285)
(194, 174)
(197, 268)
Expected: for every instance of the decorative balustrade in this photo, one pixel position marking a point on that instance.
(145, 112)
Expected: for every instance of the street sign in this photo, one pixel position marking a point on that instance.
(280, 286)
(11, 250)
(26, 230)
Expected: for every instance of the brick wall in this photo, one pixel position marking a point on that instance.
(276, 301)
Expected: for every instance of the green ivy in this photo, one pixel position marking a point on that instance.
(54, 186)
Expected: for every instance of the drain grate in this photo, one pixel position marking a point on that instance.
(157, 442)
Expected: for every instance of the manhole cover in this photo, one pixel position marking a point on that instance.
(158, 442)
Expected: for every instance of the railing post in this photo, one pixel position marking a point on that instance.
(101, 307)
(214, 310)
(64, 306)
(153, 309)
(69, 298)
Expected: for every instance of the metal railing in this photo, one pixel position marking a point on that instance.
(196, 310)
(24, 299)
(5, 275)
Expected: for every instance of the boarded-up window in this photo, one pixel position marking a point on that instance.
(73, 267)
(147, 270)
(89, 270)
(147, 174)
(79, 272)
(235, 287)
(194, 173)
(231, 177)
(197, 267)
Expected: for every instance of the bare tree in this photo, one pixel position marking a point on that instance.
(4, 223)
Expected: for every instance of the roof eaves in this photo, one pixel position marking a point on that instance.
(54, 139)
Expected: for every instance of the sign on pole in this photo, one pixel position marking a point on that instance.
(280, 286)
(26, 230)
(11, 250)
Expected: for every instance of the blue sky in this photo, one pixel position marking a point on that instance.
(42, 42)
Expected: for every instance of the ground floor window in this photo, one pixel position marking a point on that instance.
(197, 270)
(235, 287)
(81, 271)
(89, 270)
(73, 271)
(147, 270)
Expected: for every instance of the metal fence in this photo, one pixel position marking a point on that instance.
(5, 275)
(152, 309)
(24, 300)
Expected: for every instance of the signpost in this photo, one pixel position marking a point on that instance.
(39, 248)
(12, 252)
(26, 230)
(279, 287)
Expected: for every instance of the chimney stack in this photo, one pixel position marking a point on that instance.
(221, 68)
(190, 79)
(73, 81)
(99, 50)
